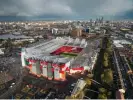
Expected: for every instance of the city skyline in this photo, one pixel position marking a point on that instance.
(65, 9)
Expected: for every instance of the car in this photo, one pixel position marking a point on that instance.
(13, 84)
(73, 84)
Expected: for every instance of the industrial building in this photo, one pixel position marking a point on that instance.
(54, 58)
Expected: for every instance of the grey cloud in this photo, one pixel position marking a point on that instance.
(75, 8)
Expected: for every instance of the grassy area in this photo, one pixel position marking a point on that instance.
(68, 54)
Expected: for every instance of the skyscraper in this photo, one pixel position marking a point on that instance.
(131, 27)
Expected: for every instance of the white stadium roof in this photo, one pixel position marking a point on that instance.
(42, 51)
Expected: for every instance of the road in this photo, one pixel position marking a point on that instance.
(122, 69)
(125, 69)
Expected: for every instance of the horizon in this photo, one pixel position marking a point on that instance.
(16, 19)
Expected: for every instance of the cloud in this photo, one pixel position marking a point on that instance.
(65, 8)
(34, 7)
(40, 7)
(115, 7)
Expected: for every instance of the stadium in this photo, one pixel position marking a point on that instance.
(54, 58)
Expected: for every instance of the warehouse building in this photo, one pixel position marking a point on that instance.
(54, 58)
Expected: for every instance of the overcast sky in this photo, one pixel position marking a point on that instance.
(66, 8)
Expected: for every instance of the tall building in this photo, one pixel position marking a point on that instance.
(91, 22)
(102, 20)
(131, 27)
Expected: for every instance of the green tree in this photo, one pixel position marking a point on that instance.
(108, 44)
(8, 45)
(109, 93)
(105, 63)
(1, 40)
(81, 95)
(69, 97)
(37, 39)
(107, 77)
(90, 76)
(88, 81)
(102, 90)
(102, 96)
(25, 43)
(109, 50)
(102, 76)
(106, 56)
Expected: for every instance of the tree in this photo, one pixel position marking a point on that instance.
(105, 63)
(69, 97)
(102, 96)
(106, 56)
(1, 40)
(109, 50)
(25, 43)
(102, 90)
(90, 76)
(107, 77)
(109, 93)
(37, 39)
(102, 76)
(80, 95)
(88, 81)
(108, 44)
(8, 45)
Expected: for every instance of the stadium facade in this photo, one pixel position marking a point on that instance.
(54, 58)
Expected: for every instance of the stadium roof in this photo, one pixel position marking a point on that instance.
(43, 50)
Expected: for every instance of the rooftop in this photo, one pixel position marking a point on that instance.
(51, 50)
